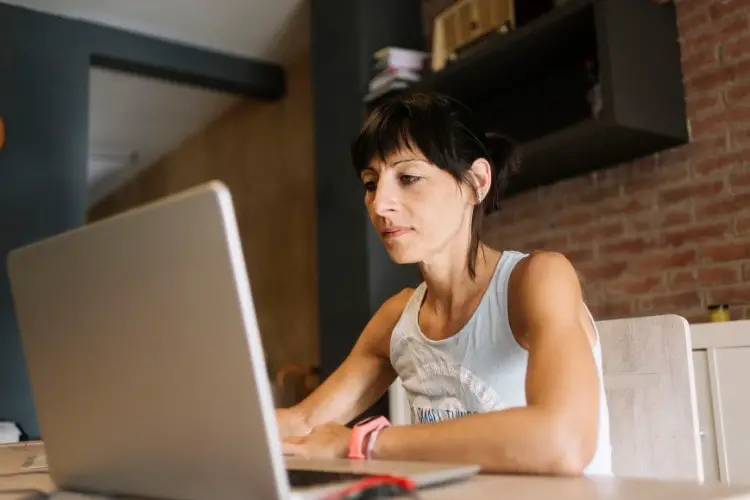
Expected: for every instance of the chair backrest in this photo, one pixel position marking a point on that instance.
(650, 387)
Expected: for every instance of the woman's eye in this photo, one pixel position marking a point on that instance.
(370, 186)
(409, 179)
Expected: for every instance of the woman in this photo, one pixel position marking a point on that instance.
(497, 351)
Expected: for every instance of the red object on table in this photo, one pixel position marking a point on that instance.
(377, 486)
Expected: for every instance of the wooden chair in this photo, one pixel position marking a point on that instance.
(650, 387)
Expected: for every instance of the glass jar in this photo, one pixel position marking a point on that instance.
(718, 312)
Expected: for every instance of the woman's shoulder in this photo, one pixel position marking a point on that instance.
(395, 305)
(380, 328)
(538, 263)
(391, 310)
(540, 284)
(545, 288)
(538, 269)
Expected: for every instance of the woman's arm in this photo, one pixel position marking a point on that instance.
(556, 432)
(361, 379)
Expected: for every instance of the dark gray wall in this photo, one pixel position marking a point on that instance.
(44, 78)
(44, 102)
(355, 274)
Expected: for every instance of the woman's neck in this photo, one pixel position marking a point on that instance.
(450, 288)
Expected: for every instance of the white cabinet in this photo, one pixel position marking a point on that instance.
(706, 416)
(721, 355)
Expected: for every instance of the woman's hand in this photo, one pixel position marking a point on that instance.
(324, 441)
(290, 423)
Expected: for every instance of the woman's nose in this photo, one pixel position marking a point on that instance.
(385, 197)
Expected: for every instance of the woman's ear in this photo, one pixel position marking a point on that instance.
(482, 174)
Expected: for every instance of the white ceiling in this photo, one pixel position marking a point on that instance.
(252, 28)
(133, 120)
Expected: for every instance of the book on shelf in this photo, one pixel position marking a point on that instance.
(394, 68)
(398, 57)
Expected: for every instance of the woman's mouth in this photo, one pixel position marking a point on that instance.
(394, 232)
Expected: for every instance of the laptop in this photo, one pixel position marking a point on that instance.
(147, 367)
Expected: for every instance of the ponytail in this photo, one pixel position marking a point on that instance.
(505, 158)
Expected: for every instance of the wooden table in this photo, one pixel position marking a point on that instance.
(32, 482)
(533, 488)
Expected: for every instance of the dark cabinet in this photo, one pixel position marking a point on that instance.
(587, 85)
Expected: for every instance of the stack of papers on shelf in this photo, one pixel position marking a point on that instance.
(395, 68)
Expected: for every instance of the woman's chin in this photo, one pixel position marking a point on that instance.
(402, 257)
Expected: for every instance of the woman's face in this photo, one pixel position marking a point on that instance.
(418, 209)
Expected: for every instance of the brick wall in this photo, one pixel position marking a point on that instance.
(669, 233)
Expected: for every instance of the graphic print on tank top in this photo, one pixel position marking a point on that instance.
(448, 390)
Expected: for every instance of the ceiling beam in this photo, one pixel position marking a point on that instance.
(152, 57)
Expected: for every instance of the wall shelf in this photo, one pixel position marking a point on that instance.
(539, 85)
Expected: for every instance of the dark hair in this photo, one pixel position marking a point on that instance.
(449, 135)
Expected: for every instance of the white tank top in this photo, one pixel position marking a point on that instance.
(479, 369)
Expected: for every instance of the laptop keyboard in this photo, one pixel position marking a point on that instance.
(305, 478)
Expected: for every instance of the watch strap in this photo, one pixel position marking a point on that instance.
(363, 430)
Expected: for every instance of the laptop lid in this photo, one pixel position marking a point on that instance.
(144, 354)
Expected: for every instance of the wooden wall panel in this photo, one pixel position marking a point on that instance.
(264, 152)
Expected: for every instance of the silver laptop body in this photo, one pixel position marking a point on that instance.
(146, 362)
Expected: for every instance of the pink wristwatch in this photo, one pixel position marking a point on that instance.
(361, 431)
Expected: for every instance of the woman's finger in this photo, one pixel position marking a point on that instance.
(293, 449)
